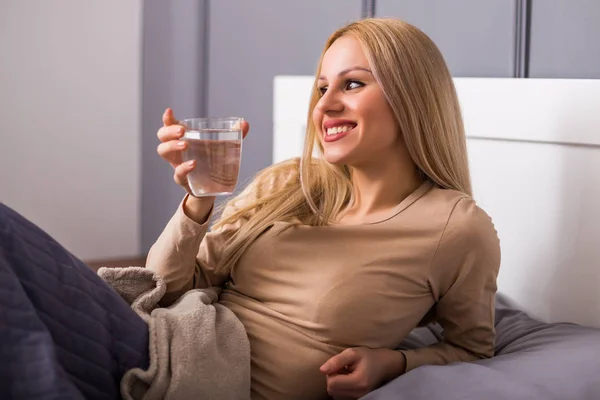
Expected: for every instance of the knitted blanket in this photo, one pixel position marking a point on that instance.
(198, 347)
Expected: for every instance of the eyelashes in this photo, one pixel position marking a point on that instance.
(350, 84)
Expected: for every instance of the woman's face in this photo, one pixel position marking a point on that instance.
(354, 121)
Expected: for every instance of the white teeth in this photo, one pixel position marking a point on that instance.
(338, 129)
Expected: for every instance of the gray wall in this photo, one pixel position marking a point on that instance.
(218, 58)
(565, 39)
(476, 37)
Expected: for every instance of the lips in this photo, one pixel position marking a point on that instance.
(335, 129)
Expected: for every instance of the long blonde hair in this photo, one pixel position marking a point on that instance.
(415, 79)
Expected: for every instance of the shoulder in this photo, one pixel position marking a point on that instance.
(469, 238)
(469, 223)
(464, 219)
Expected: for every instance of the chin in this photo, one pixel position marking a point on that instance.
(336, 158)
(342, 152)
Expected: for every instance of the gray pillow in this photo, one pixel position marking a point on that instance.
(533, 360)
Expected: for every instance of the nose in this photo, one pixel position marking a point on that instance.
(330, 102)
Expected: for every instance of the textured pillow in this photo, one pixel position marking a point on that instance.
(533, 360)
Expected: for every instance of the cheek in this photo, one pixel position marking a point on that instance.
(379, 121)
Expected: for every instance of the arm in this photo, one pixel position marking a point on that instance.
(174, 256)
(463, 277)
(186, 256)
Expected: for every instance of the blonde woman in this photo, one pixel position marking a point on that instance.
(330, 262)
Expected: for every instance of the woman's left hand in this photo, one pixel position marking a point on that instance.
(357, 371)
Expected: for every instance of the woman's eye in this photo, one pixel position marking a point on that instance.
(353, 85)
(350, 85)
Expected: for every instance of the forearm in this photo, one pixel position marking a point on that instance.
(173, 255)
(441, 354)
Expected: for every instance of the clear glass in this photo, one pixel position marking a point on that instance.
(216, 146)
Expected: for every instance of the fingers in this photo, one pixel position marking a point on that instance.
(168, 118)
(171, 132)
(182, 171)
(354, 382)
(338, 363)
(171, 150)
(349, 386)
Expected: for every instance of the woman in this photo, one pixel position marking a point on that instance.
(329, 263)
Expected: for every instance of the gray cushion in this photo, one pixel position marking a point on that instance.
(533, 360)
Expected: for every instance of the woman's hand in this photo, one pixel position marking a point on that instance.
(357, 371)
(171, 149)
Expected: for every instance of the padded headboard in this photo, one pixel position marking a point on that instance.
(534, 152)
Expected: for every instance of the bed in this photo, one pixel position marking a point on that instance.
(534, 153)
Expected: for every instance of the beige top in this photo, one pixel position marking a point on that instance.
(306, 293)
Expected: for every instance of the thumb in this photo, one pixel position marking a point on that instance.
(338, 362)
(245, 128)
(243, 125)
(168, 118)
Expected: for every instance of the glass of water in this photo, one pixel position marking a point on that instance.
(216, 146)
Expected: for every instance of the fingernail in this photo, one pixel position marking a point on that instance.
(181, 144)
(190, 163)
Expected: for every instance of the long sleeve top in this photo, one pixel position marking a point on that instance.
(305, 293)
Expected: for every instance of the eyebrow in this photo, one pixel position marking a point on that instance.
(344, 72)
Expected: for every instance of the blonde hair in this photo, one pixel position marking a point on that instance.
(418, 86)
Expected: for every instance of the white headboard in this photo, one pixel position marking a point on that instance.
(534, 151)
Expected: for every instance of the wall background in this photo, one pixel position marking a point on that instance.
(70, 107)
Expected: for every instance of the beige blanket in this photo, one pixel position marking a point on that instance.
(198, 348)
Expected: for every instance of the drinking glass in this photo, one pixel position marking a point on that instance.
(216, 146)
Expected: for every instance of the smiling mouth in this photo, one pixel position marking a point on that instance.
(339, 129)
(338, 132)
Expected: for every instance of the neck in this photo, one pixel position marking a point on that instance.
(379, 187)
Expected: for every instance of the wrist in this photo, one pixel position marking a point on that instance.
(394, 362)
(198, 209)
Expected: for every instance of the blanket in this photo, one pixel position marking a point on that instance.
(64, 333)
(198, 348)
